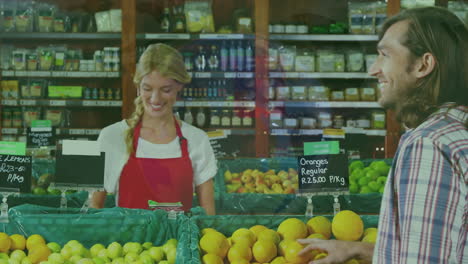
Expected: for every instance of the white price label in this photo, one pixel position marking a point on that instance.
(57, 102)
(103, 103)
(245, 75)
(10, 102)
(89, 103)
(59, 74)
(8, 73)
(21, 73)
(230, 75)
(9, 131)
(28, 102)
(76, 131)
(42, 73)
(92, 131)
(202, 75)
(116, 103)
(291, 75)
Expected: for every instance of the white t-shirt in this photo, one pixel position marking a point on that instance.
(112, 142)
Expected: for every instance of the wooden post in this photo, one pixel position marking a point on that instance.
(128, 56)
(262, 117)
(393, 127)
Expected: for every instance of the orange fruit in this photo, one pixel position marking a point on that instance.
(264, 251)
(239, 252)
(5, 242)
(214, 243)
(292, 229)
(347, 225)
(320, 225)
(39, 253)
(256, 229)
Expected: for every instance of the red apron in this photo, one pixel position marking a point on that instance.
(161, 180)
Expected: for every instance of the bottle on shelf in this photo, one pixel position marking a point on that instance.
(95, 94)
(166, 21)
(200, 60)
(179, 19)
(240, 56)
(249, 58)
(224, 56)
(213, 61)
(201, 118)
(215, 120)
(188, 117)
(232, 57)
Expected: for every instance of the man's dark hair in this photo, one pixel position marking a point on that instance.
(437, 31)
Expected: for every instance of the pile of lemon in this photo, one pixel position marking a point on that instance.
(16, 249)
(259, 244)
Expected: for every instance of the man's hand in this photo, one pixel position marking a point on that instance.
(338, 251)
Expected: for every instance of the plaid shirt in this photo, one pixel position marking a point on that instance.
(423, 218)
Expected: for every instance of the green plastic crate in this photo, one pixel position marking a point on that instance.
(101, 226)
(256, 203)
(227, 224)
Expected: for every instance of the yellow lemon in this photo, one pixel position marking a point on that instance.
(278, 260)
(206, 230)
(317, 236)
(34, 240)
(292, 229)
(370, 238)
(269, 235)
(291, 253)
(320, 256)
(39, 253)
(321, 225)
(214, 243)
(347, 225)
(369, 230)
(243, 235)
(18, 242)
(239, 251)
(5, 242)
(264, 250)
(240, 261)
(212, 259)
(256, 229)
(282, 247)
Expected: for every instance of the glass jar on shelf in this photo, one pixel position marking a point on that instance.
(378, 120)
(236, 120)
(319, 93)
(367, 94)
(215, 119)
(276, 119)
(248, 117)
(308, 122)
(299, 93)
(305, 61)
(324, 120)
(352, 94)
(283, 93)
(226, 118)
(291, 122)
(338, 121)
(363, 122)
(337, 95)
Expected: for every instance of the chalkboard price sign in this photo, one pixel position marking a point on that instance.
(40, 138)
(323, 173)
(15, 172)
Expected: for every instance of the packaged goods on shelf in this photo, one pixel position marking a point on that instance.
(378, 120)
(305, 61)
(354, 61)
(352, 94)
(10, 89)
(370, 60)
(33, 88)
(291, 122)
(283, 93)
(45, 17)
(276, 119)
(199, 16)
(367, 94)
(109, 20)
(330, 61)
(287, 56)
(56, 116)
(5, 56)
(319, 93)
(337, 95)
(30, 114)
(7, 13)
(365, 17)
(298, 92)
(24, 16)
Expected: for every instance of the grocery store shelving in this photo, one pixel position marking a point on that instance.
(320, 75)
(227, 75)
(215, 104)
(329, 104)
(60, 102)
(58, 131)
(234, 131)
(174, 36)
(324, 37)
(313, 132)
(60, 74)
(61, 36)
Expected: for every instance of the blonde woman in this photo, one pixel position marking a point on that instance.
(152, 155)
